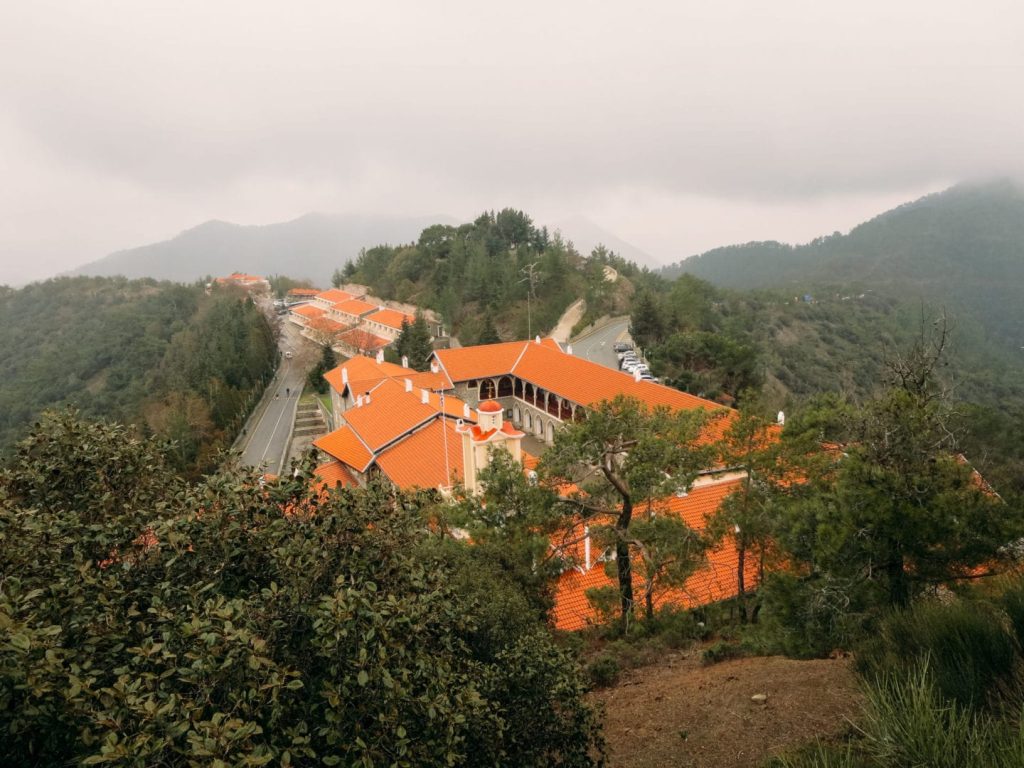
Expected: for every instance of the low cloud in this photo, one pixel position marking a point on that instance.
(126, 122)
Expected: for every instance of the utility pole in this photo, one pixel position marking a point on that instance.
(532, 276)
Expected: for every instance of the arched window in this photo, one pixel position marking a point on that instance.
(540, 427)
(551, 431)
(486, 389)
(516, 416)
(529, 420)
(518, 388)
(505, 386)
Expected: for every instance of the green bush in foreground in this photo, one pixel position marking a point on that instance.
(145, 621)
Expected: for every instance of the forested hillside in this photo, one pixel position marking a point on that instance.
(479, 274)
(962, 248)
(165, 356)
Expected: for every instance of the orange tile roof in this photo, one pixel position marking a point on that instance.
(581, 381)
(392, 318)
(334, 295)
(427, 379)
(308, 310)
(357, 338)
(325, 325)
(418, 460)
(344, 445)
(364, 373)
(713, 582)
(390, 413)
(303, 291)
(477, 362)
(354, 307)
(333, 474)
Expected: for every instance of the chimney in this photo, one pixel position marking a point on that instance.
(424, 397)
(366, 398)
(359, 401)
(586, 545)
(467, 412)
(405, 361)
(537, 340)
(408, 385)
(380, 356)
(568, 349)
(344, 376)
(434, 367)
(782, 419)
(636, 376)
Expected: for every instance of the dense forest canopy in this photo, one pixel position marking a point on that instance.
(161, 355)
(500, 269)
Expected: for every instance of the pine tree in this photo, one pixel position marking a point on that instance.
(488, 334)
(414, 342)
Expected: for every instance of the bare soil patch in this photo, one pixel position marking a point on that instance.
(682, 713)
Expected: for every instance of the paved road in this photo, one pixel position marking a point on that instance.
(268, 431)
(597, 346)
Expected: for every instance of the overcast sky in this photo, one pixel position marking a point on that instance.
(677, 125)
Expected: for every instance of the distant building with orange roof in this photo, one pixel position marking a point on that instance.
(351, 311)
(242, 280)
(387, 322)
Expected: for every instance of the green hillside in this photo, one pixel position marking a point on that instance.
(962, 249)
(161, 355)
(476, 276)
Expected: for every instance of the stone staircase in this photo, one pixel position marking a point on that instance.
(309, 422)
(309, 425)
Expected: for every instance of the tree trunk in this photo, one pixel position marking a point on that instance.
(741, 581)
(623, 564)
(649, 601)
(899, 590)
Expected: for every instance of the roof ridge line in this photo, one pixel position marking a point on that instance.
(405, 434)
(437, 357)
(526, 346)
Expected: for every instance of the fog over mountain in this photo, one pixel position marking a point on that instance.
(587, 235)
(311, 247)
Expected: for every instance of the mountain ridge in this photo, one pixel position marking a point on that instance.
(962, 248)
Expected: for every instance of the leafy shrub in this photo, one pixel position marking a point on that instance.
(604, 672)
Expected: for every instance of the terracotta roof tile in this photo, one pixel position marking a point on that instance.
(325, 325)
(355, 307)
(714, 582)
(334, 295)
(344, 445)
(418, 460)
(390, 413)
(333, 474)
(308, 310)
(468, 363)
(392, 318)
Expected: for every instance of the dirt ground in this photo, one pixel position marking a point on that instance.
(681, 713)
